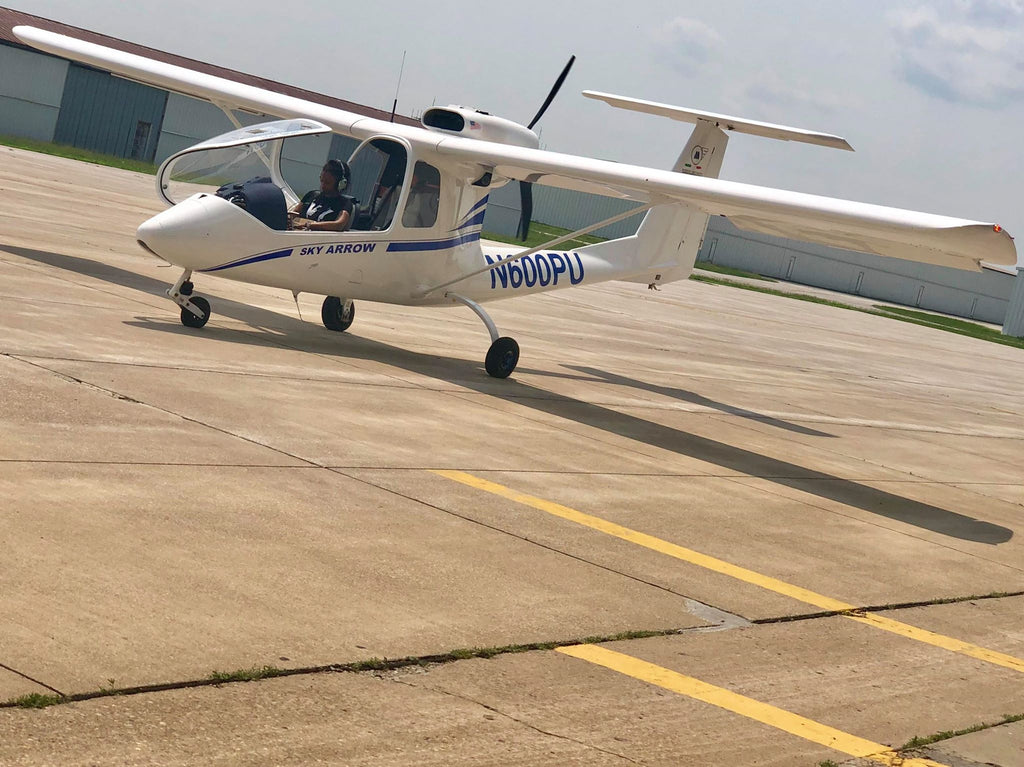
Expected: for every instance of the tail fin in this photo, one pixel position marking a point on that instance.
(665, 246)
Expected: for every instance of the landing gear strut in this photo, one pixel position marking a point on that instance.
(195, 310)
(503, 354)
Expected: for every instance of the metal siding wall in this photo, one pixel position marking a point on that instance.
(502, 215)
(31, 86)
(100, 112)
(1014, 325)
(303, 158)
(952, 291)
(558, 207)
(575, 210)
(188, 121)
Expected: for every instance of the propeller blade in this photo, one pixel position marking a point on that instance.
(553, 93)
(525, 209)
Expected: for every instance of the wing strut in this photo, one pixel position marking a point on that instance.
(542, 246)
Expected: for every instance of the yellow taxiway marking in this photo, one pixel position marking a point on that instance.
(739, 704)
(739, 573)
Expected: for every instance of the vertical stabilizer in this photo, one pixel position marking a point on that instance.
(666, 244)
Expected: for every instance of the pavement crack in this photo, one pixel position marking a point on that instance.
(25, 676)
(512, 718)
(727, 620)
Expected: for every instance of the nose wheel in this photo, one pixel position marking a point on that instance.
(503, 354)
(195, 310)
(191, 320)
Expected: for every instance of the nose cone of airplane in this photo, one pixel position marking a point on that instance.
(179, 235)
(148, 236)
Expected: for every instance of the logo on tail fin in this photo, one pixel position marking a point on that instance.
(700, 154)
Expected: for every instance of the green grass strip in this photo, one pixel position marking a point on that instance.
(541, 233)
(74, 153)
(707, 266)
(919, 742)
(937, 321)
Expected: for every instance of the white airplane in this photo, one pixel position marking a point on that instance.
(419, 243)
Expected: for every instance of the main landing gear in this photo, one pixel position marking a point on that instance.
(503, 355)
(338, 313)
(195, 310)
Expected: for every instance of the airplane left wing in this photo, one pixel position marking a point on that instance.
(217, 90)
(885, 231)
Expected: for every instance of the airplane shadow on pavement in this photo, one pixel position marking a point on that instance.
(304, 336)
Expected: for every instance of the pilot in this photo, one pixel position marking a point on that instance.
(327, 210)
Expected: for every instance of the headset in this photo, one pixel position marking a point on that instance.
(340, 170)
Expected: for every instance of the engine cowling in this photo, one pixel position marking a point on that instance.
(472, 123)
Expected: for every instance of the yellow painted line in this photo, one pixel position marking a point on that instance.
(778, 718)
(739, 573)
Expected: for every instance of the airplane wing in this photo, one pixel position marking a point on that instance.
(885, 231)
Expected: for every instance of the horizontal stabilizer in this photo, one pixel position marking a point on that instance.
(725, 122)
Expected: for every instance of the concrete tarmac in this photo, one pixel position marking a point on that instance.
(702, 476)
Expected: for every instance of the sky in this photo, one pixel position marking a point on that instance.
(930, 94)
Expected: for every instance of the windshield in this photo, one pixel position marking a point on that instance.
(252, 152)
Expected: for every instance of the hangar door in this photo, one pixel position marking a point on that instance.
(109, 114)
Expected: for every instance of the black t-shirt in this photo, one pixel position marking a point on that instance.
(328, 207)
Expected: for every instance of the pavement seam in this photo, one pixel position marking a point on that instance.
(166, 411)
(938, 601)
(239, 373)
(504, 470)
(512, 718)
(376, 666)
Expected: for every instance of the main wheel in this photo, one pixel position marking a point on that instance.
(502, 357)
(189, 320)
(334, 315)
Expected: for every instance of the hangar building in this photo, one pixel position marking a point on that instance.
(51, 99)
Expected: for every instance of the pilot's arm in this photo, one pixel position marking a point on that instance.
(340, 224)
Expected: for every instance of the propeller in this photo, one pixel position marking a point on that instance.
(525, 187)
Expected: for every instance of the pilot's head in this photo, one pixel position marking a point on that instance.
(334, 177)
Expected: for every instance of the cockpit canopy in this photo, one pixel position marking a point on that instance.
(290, 154)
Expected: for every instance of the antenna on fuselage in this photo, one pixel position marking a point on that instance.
(394, 105)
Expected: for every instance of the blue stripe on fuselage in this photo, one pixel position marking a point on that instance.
(395, 247)
(251, 260)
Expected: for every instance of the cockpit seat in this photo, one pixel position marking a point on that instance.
(261, 198)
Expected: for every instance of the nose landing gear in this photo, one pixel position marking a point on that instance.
(195, 310)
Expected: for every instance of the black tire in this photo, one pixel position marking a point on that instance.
(189, 320)
(334, 316)
(502, 357)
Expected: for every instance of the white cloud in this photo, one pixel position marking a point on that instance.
(772, 90)
(993, 11)
(686, 44)
(971, 52)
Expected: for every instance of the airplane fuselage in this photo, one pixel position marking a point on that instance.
(209, 235)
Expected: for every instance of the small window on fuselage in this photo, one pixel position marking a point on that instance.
(424, 197)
